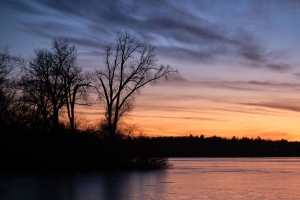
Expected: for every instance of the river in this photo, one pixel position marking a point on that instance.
(189, 178)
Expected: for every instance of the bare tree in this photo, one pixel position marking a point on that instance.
(129, 66)
(77, 91)
(52, 80)
(8, 90)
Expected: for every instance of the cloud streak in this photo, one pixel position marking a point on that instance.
(275, 105)
(185, 118)
(247, 86)
(187, 33)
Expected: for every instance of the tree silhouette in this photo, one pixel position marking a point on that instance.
(129, 66)
(53, 80)
(8, 90)
(77, 89)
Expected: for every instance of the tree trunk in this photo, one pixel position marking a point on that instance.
(111, 130)
(72, 115)
(110, 125)
(55, 120)
(72, 124)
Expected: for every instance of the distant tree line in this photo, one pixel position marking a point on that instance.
(213, 146)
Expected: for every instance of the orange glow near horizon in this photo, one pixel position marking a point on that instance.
(228, 124)
(168, 116)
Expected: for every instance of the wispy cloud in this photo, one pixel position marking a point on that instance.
(187, 33)
(273, 84)
(259, 111)
(255, 85)
(281, 105)
(280, 67)
(297, 74)
(185, 118)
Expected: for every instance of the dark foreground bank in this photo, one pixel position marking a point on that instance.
(66, 151)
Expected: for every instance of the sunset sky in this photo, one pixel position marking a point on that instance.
(239, 60)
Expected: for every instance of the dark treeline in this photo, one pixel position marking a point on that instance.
(24, 151)
(220, 147)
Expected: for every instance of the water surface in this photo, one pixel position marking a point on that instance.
(190, 178)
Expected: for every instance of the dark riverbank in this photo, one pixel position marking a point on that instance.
(85, 151)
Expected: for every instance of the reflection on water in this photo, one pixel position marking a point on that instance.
(190, 178)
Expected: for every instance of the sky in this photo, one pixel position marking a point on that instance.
(238, 60)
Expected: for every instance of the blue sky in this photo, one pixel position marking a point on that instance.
(238, 59)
